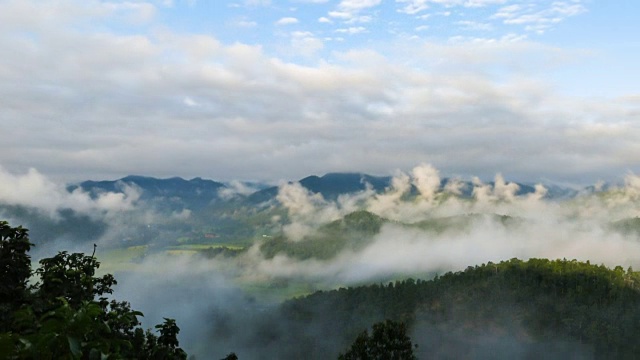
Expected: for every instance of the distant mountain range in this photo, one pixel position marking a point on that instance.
(199, 192)
(195, 193)
(198, 208)
(154, 187)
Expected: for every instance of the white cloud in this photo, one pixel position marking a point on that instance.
(357, 5)
(352, 30)
(189, 101)
(482, 3)
(474, 26)
(244, 23)
(256, 3)
(35, 190)
(535, 19)
(235, 188)
(350, 10)
(287, 21)
(305, 43)
(413, 6)
(340, 14)
(114, 104)
(136, 12)
(359, 19)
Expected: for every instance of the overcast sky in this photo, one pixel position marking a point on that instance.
(281, 89)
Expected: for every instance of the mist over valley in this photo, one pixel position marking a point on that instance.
(221, 258)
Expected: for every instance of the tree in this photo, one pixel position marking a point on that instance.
(59, 317)
(388, 341)
(15, 270)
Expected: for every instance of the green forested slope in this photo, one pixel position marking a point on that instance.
(350, 232)
(512, 309)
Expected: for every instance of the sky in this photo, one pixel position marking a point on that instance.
(541, 91)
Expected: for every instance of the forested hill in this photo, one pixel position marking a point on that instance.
(515, 309)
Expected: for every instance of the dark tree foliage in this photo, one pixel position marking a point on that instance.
(15, 270)
(65, 315)
(388, 340)
(537, 303)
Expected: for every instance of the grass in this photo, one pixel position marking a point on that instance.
(120, 259)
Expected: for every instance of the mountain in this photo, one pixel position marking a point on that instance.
(539, 308)
(330, 185)
(198, 193)
(193, 194)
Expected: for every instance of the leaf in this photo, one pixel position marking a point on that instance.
(74, 346)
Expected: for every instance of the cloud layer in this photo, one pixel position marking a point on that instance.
(102, 90)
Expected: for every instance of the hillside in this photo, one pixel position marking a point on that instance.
(357, 229)
(515, 309)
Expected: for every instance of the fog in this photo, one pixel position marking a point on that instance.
(215, 300)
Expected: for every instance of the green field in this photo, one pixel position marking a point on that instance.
(121, 259)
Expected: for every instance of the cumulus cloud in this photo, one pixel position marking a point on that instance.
(35, 190)
(357, 5)
(287, 21)
(306, 210)
(235, 188)
(413, 6)
(350, 10)
(352, 30)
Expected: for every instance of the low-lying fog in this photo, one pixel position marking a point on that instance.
(210, 299)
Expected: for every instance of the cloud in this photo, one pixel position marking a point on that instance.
(474, 26)
(35, 190)
(235, 188)
(538, 20)
(257, 3)
(244, 23)
(306, 43)
(305, 209)
(357, 5)
(287, 21)
(139, 12)
(190, 102)
(349, 10)
(577, 228)
(352, 30)
(412, 7)
(482, 3)
(115, 104)
(426, 179)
